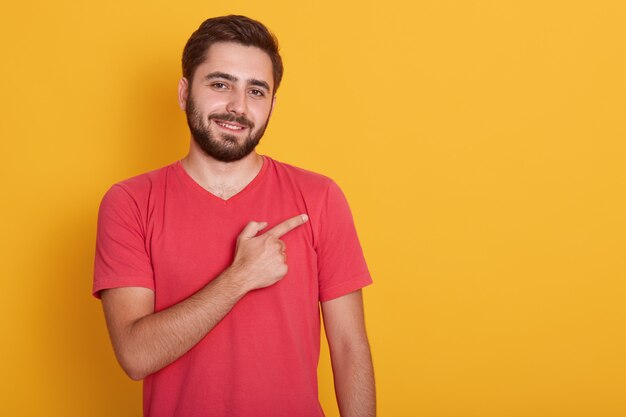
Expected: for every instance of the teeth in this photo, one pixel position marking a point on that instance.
(230, 126)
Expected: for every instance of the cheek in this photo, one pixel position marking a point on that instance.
(261, 113)
(210, 102)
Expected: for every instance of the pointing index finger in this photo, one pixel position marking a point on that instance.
(288, 225)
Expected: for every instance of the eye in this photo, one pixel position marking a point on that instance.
(257, 93)
(219, 86)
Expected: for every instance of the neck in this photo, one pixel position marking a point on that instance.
(214, 175)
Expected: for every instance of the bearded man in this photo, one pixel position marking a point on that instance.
(212, 270)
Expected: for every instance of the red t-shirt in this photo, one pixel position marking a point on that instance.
(163, 231)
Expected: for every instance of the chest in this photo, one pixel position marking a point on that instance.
(191, 241)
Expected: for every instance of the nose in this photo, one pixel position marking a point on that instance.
(237, 103)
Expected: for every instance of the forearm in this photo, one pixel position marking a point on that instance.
(154, 341)
(354, 380)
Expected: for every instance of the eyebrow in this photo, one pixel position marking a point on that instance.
(225, 76)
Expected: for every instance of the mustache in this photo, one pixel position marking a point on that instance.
(227, 117)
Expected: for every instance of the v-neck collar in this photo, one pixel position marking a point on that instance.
(187, 179)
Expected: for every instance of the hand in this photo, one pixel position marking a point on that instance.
(260, 261)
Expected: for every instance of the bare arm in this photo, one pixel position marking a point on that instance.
(145, 341)
(350, 355)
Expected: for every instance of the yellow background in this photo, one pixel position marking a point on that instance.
(481, 144)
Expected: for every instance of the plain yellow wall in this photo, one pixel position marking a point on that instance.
(482, 146)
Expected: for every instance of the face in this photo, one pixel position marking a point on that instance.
(230, 101)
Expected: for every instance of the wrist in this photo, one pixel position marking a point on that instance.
(234, 280)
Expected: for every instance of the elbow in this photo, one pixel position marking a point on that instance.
(351, 345)
(358, 350)
(135, 374)
(133, 367)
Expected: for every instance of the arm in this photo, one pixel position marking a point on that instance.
(145, 341)
(350, 355)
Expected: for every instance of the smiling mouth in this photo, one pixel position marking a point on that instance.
(229, 126)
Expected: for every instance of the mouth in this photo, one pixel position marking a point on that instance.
(230, 126)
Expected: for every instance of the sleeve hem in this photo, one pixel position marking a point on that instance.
(122, 282)
(345, 288)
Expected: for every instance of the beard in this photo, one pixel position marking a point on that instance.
(224, 147)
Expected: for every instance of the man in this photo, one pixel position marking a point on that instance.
(211, 270)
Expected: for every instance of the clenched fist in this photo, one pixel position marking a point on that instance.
(260, 261)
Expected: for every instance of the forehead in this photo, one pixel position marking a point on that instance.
(243, 62)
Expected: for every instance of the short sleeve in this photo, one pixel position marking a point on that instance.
(122, 259)
(341, 264)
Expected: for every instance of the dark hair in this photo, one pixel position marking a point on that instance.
(232, 28)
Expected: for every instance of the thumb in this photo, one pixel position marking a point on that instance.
(252, 229)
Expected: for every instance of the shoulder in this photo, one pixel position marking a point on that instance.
(140, 187)
(306, 180)
(144, 183)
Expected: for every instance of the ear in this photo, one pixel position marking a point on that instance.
(272, 107)
(183, 93)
